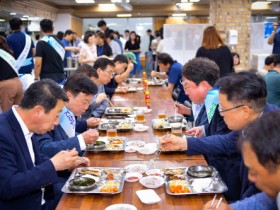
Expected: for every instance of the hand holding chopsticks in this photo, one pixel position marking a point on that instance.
(216, 204)
(109, 102)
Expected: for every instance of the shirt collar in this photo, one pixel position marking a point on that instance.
(24, 128)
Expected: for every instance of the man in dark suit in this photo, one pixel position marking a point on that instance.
(242, 99)
(200, 76)
(80, 91)
(24, 172)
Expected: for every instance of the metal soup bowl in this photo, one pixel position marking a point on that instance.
(200, 171)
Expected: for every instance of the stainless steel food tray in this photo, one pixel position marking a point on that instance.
(120, 124)
(196, 185)
(118, 111)
(100, 183)
(163, 124)
(108, 147)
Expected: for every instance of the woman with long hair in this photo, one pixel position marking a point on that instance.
(88, 52)
(213, 47)
(133, 45)
(10, 85)
(102, 47)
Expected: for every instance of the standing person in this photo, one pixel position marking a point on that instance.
(10, 85)
(88, 52)
(102, 46)
(59, 35)
(118, 39)
(26, 174)
(214, 48)
(272, 80)
(22, 46)
(23, 51)
(150, 52)
(66, 42)
(260, 149)
(49, 55)
(274, 38)
(116, 49)
(126, 34)
(172, 70)
(103, 26)
(132, 45)
(76, 40)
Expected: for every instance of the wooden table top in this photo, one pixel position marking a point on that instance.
(159, 99)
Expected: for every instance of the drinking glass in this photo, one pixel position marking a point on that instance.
(140, 115)
(176, 129)
(162, 114)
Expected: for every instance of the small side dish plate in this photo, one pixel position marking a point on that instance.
(148, 196)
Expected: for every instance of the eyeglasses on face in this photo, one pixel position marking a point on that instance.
(182, 81)
(226, 110)
(110, 73)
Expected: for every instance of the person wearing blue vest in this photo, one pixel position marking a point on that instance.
(22, 46)
(49, 55)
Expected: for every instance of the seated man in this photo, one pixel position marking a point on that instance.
(26, 174)
(172, 70)
(199, 77)
(242, 99)
(260, 149)
(80, 91)
(122, 69)
(104, 72)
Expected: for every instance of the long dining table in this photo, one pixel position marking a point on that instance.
(160, 99)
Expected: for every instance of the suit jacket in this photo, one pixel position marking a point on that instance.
(21, 181)
(56, 140)
(225, 146)
(248, 188)
(222, 163)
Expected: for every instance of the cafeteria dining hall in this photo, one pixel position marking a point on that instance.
(140, 105)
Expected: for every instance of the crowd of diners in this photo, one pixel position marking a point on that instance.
(45, 126)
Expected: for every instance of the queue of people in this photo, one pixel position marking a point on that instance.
(45, 130)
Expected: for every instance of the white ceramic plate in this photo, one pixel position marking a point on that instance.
(154, 172)
(140, 127)
(146, 111)
(139, 168)
(136, 143)
(121, 206)
(133, 177)
(131, 149)
(148, 196)
(151, 145)
(152, 181)
(147, 150)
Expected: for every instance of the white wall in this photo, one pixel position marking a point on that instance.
(181, 41)
(62, 22)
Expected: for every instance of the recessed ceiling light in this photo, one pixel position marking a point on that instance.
(179, 14)
(183, 5)
(2, 20)
(107, 7)
(124, 15)
(13, 13)
(85, 1)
